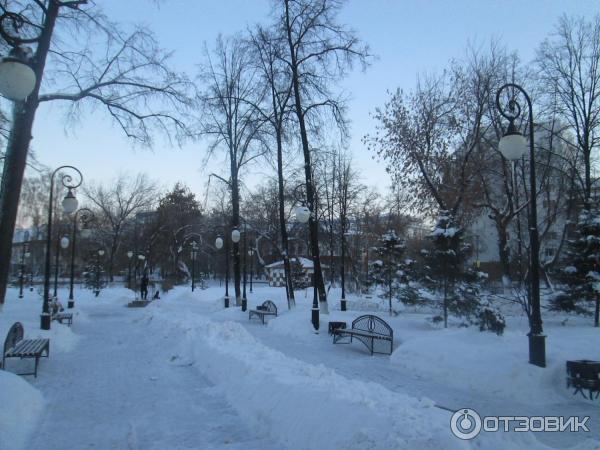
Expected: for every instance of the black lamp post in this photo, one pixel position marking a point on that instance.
(235, 237)
(194, 256)
(85, 217)
(99, 254)
(251, 254)
(129, 256)
(61, 242)
(141, 261)
(219, 244)
(69, 205)
(513, 145)
(303, 215)
(24, 254)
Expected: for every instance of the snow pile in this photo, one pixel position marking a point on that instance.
(485, 362)
(20, 406)
(306, 406)
(298, 403)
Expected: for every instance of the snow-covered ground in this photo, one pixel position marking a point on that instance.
(185, 373)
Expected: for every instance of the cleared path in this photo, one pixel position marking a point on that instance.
(121, 388)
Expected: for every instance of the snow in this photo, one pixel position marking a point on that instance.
(446, 232)
(187, 373)
(20, 407)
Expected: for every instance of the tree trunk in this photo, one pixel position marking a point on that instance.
(284, 237)
(503, 253)
(17, 149)
(313, 222)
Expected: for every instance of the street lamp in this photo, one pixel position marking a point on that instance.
(141, 261)
(235, 237)
(63, 243)
(129, 256)
(17, 78)
(219, 245)
(100, 254)
(24, 254)
(194, 255)
(86, 216)
(251, 254)
(69, 205)
(513, 145)
(303, 215)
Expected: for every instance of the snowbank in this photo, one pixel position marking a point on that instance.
(20, 406)
(305, 406)
(464, 357)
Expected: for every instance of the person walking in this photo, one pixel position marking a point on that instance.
(144, 286)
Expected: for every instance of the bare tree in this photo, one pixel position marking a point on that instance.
(230, 120)
(349, 190)
(429, 139)
(569, 67)
(276, 113)
(320, 52)
(117, 203)
(84, 59)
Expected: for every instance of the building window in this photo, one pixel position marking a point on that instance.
(549, 252)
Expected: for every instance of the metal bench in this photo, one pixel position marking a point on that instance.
(63, 317)
(584, 374)
(58, 314)
(371, 331)
(17, 347)
(268, 308)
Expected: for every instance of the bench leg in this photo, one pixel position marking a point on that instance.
(37, 360)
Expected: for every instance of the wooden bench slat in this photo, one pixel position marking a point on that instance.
(29, 347)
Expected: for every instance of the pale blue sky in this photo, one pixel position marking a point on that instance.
(408, 37)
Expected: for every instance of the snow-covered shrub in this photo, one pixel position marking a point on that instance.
(490, 319)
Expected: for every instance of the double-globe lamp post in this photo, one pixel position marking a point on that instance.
(61, 242)
(69, 205)
(85, 215)
(513, 146)
(219, 242)
(303, 214)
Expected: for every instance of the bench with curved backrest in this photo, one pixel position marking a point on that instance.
(371, 330)
(268, 308)
(17, 347)
(584, 374)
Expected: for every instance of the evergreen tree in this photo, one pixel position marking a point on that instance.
(582, 270)
(392, 271)
(299, 278)
(446, 271)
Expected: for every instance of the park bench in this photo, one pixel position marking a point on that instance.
(60, 316)
(372, 331)
(268, 308)
(63, 317)
(584, 374)
(17, 347)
